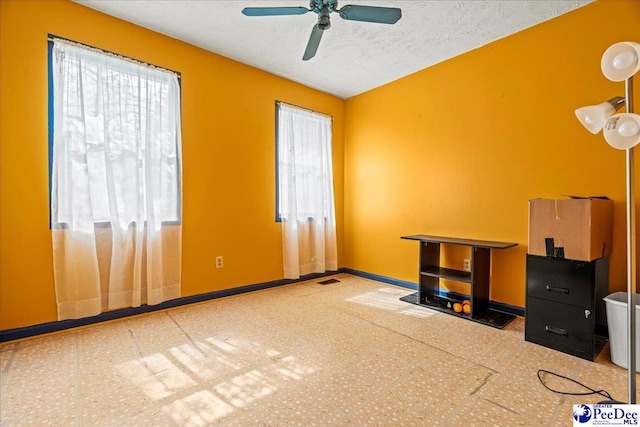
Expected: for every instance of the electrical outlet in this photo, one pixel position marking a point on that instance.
(466, 264)
(219, 262)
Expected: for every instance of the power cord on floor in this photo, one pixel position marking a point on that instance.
(592, 391)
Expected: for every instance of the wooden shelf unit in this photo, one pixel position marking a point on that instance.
(431, 272)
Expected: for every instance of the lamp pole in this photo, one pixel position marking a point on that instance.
(631, 257)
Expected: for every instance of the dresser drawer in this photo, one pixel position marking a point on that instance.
(560, 326)
(560, 280)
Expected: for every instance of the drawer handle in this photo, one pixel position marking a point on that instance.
(558, 290)
(557, 331)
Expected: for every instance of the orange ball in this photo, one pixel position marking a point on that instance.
(457, 307)
(466, 308)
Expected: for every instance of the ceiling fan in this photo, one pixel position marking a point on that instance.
(381, 15)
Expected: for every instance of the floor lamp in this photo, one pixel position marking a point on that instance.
(622, 131)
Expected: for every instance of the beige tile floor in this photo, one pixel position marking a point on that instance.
(345, 354)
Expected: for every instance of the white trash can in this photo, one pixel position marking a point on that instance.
(617, 322)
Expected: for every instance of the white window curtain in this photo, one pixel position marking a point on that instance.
(305, 192)
(116, 184)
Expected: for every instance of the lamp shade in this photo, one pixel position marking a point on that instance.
(621, 61)
(594, 117)
(622, 131)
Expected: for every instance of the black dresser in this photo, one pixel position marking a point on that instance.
(564, 306)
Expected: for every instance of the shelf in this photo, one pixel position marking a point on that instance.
(488, 244)
(447, 273)
(431, 271)
(493, 318)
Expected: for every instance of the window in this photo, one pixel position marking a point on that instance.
(115, 138)
(304, 164)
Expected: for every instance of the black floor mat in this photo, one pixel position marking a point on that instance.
(491, 317)
(329, 281)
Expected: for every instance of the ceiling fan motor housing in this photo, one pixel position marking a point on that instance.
(318, 5)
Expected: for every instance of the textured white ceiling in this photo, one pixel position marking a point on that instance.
(353, 57)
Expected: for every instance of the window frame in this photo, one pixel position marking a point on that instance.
(51, 122)
(278, 217)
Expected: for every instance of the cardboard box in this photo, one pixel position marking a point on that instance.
(581, 228)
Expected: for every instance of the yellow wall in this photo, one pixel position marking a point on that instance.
(228, 155)
(459, 148)
(456, 149)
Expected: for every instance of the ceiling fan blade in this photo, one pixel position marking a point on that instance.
(381, 15)
(312, 45)
(274, 11)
